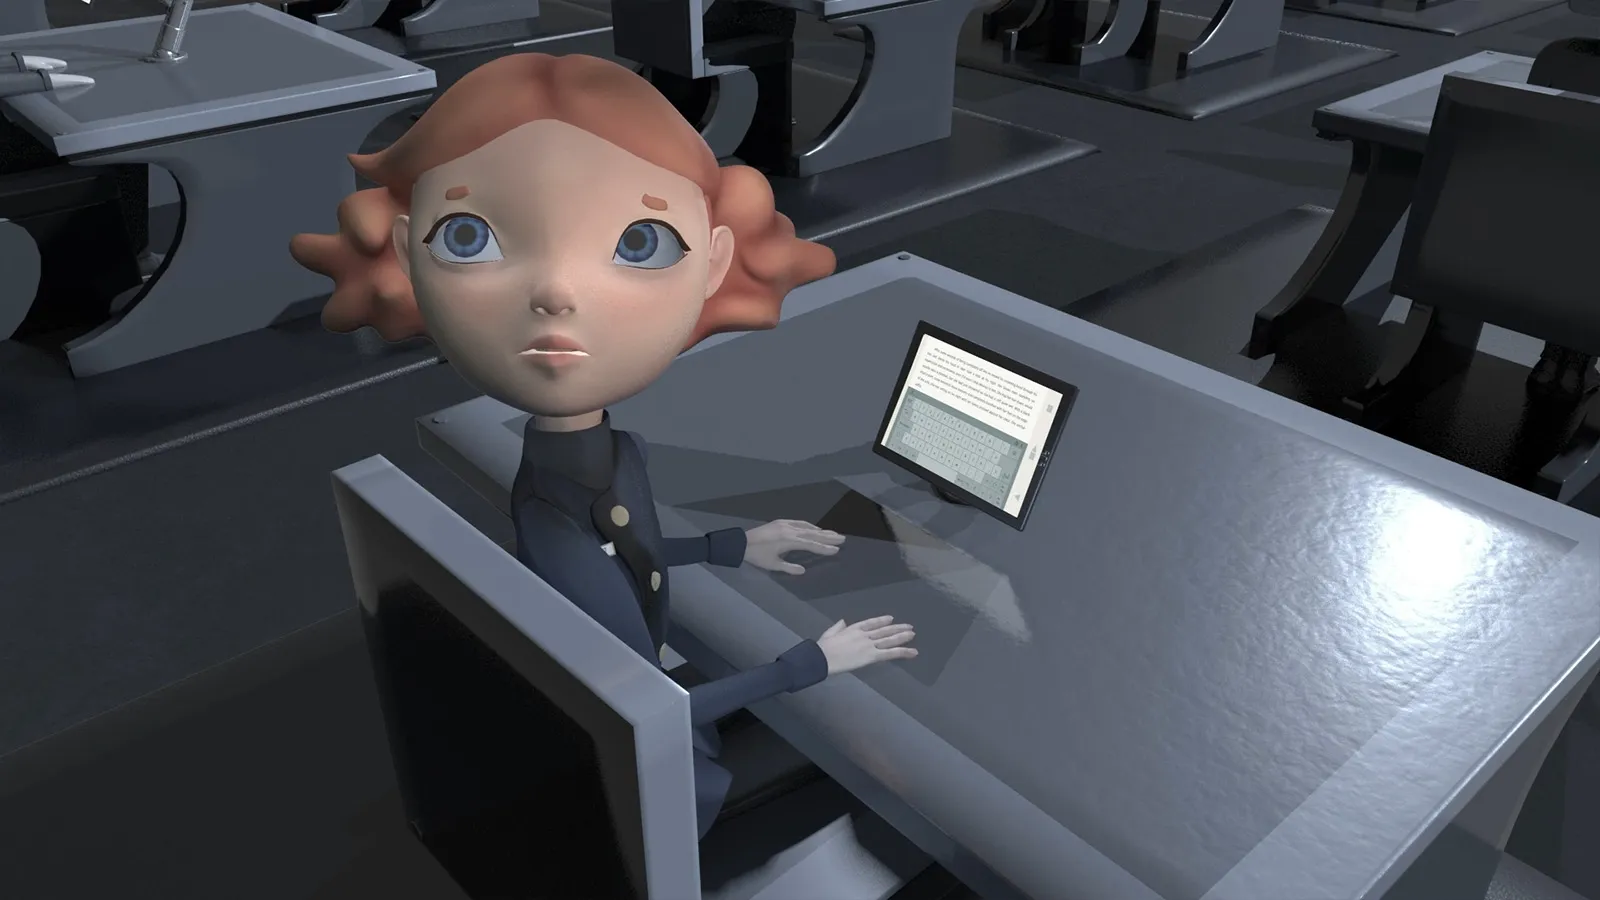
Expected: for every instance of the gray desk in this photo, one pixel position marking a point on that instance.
(1243, 651)
(1387, 128)
(254, 126)
(20, 16)
(1449, 17)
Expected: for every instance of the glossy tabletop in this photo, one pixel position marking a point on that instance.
(1242, 650)
(1400, 114)
(247, 64)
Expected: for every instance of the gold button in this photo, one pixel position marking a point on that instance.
(655, 581)
(619, 515)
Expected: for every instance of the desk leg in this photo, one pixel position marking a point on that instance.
(732, 112)
(245, 194)
(1426, 350)
(451, 15)
(353, 14)
(1492, 813)
(1376, 194)
(1017, 25)
(1131, 22)
(23, 16)
(905, 95)
(1578, 462)
(19, 275)
(1240, 28)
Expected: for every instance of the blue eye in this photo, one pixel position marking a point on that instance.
(464, 239)
(649, 244)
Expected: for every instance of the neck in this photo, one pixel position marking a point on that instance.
(569, 423)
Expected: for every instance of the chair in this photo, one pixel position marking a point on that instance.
(539, 756)
(1495, 236)
(1570, 64)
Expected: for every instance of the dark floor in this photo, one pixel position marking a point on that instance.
(139, 554)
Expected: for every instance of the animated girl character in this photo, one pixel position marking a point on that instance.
(562, 234)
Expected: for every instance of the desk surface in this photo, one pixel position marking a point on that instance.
(1400, 114)
(1234, 628)
(247, 64)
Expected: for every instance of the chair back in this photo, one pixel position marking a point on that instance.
(537, 755)
(1503, 226)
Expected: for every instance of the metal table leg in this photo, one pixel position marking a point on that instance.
(906, 93)
(1493, 811)
(1060, 29)
(229, 271)
(1376, 194)
(1128, 24)
(733, 108)
(19, 283)
(353, 14)
(23, 16)
(1577, 463)
(1429, 348)
(450, 15)
(1240, 28)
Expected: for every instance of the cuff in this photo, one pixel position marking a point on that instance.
(805, 664)
(726, 547)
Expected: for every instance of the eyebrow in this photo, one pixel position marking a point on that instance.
(655, 203)
(456, 193)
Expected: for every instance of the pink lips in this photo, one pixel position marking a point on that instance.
(555, 351)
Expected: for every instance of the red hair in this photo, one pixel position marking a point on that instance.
(600, 97)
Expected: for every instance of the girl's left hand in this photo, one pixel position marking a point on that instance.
(765, 545)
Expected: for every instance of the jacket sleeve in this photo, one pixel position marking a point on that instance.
(724, 547)
(719, 548)
(545, 539)
(800, 667)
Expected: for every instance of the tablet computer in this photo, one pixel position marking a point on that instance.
(979, 427)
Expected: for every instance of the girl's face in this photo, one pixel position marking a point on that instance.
(558, 272)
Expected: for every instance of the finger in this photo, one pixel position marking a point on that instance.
(870, 624)
(789, 568)
(811, 546)
(898, 653)
(834, 629)
(41, 63)
(58, 80)
(894, 640)
(826, 537)
(888, 630)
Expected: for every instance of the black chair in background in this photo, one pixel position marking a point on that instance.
(1501, 232)
(1570, 64)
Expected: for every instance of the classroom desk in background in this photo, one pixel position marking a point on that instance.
(254, 125)
(1387, 128)
(1243, 650)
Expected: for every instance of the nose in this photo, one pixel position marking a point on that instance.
(546, 305)
(553, 299)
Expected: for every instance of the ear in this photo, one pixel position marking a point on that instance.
(402, 243)
(721, 258)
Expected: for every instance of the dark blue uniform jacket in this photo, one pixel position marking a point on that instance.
(579, 490)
